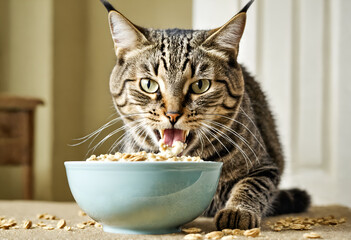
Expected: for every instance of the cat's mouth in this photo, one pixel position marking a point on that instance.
(171, 135)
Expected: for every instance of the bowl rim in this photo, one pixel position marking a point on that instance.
(144, 165)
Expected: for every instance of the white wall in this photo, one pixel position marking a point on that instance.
(299, 51)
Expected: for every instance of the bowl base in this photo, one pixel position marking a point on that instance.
(110, 229)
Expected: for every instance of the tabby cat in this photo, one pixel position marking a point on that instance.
(186, 85)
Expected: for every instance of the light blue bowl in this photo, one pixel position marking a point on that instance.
(143, 197)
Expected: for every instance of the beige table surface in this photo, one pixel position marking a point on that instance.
(28, 210)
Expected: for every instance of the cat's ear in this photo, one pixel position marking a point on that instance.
(228, 36)
(124, 33)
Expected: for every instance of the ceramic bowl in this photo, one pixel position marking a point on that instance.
(143, 197)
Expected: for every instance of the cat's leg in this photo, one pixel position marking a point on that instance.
(249, 199)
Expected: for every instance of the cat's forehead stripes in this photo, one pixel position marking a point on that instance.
(156, 68)
(203, 70)
(176, 47)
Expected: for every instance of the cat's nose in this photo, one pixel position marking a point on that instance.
(173, 116)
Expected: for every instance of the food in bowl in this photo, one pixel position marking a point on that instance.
(167, 153)
(143, 197)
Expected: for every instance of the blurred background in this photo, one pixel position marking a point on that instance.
(61, 52)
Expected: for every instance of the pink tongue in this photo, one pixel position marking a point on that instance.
(173, 135)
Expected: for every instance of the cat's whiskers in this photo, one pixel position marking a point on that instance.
(232, 119)
(142, 144)
(201, 141)
(97, 132)
(115, 143)
(131, 139)
(92, 150)
(91, 142)
(146, 135)
(250, 119)
(243, 153)
(222, 134)
(121, 139)
(111, 134)
(235, 134)
(204, 134)
(114, 113)
(138, 132)
(125, 140)
(210, 129)
(118, 129)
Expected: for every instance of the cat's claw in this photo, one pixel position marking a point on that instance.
(236, 218)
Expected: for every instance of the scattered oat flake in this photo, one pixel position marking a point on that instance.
(27, 224)
(41, 224)
(342, 220)
(50, 217)
(304, 223)
(193, 236)
(227, 231)
(80, 226)
(89, 223)
(48, 228)
(214, 235)
(46, 216)
(61, 223)
(192, 230)
(5, 226)
(277, 229)
(11, 222)
(67, 228)
(254, 232)
(238, 232)
(81, 213)
(297, 226)
(98, 225)
(312, 235)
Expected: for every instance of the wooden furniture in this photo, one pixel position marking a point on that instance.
(16, 135)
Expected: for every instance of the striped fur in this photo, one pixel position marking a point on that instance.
(231, 122)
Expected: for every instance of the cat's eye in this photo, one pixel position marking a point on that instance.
(148, 85)
(200, 86)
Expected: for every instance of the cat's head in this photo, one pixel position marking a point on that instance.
(172, 83)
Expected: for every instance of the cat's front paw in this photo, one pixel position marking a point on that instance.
(236, 218)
